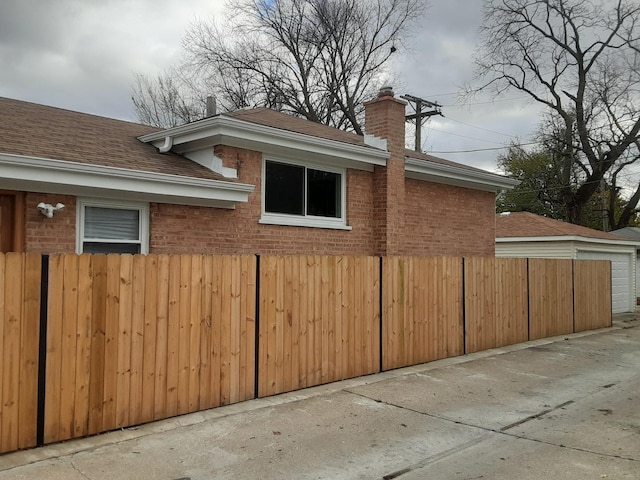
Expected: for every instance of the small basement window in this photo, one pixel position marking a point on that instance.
(303, 195)
(110, 227)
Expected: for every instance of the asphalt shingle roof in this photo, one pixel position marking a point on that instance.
(525, 224)
(35, 130)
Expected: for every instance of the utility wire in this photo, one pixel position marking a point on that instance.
(480, 128)
(484, 149)
(463, 136)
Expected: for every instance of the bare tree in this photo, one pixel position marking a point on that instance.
(581, 59)
(318, 59)
(167, 101)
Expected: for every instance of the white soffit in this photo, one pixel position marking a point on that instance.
(223, 130)
(45, 175)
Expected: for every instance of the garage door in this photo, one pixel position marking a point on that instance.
(621, 280)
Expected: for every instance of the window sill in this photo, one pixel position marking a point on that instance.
(291, 221)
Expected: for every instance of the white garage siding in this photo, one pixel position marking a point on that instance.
(622, 278)
(621, 254)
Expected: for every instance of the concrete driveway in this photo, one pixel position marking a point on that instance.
(561, 408)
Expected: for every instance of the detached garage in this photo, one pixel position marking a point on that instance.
(523, 234)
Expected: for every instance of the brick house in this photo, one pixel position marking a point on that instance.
(250, 181)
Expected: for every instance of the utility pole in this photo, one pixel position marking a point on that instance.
(417, 103)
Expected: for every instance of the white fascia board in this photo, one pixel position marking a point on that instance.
(59, 176)
(222, 130)
(457, 176)
(573, 238)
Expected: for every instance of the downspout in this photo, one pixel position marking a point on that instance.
(168, 143)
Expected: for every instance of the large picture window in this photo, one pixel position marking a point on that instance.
(314, 196)
(109, 227)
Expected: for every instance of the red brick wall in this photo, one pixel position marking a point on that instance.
(438, 220)
(447, 220)
(186, 229)
(50, 235)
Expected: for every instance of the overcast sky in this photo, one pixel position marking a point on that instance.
(84, 54)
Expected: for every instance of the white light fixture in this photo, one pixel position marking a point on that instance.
(48, 210)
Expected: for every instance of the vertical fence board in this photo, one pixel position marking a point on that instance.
(287, 325)
(225, 332)
(109, 414)
(303, 321)
(234, 329)
(150, 324)
(592, 294)
(123, 339)
(138, 303)
(293, 319)
(550, 297)
(98, 334)
(161, 345)
(216, 331)
(3, 283)
(184, 334)
(11, 351)
(173, 337)
(194, 334)
(206, 397)
(83, 347)
(68, 346)
(248, 316)
(29, 350)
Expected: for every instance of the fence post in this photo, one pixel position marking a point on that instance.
(464, 306)
(380, 314)
(42, 349)
(256, 360)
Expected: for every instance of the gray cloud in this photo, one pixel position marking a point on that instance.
(84, 54)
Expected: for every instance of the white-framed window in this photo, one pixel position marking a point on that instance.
(107, 226)
(303, 195)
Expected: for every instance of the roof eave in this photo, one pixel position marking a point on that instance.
(567, 238)
(457, 176)
(45, 175)
(223, 130)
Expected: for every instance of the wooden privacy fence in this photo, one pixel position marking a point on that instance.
(319, 321)
(422, 305)
(91, 343)
(441, 307)
(131, 339)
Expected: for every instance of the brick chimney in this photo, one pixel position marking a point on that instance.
(385, 118)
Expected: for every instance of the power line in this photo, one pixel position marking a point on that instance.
(480, 128)
(464, 136)
(485, 149)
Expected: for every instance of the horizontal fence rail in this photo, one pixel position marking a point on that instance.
(91, 343)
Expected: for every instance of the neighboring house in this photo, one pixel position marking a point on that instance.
(250, 181)
(632, 233)
(523, 234)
